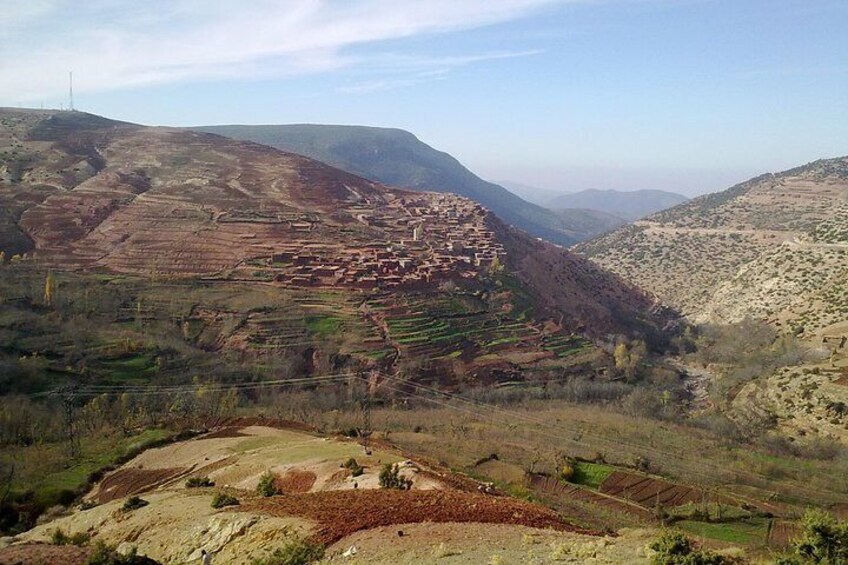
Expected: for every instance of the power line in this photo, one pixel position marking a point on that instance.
(491, 410)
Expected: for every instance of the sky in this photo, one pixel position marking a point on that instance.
(688, 95)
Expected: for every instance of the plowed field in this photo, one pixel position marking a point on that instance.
(342, 513)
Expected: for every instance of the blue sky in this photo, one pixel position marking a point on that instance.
(688, 95)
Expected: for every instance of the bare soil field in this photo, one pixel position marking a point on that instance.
(650, 491)
(476, 544)
(553, 487)
(320, 500)
(36, 554)
(339, 514)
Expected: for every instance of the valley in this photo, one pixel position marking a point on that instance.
(196, 307)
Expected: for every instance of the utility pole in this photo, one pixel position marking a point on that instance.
(68, 396)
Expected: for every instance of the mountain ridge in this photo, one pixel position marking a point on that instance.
(397, 157)
(773, 247)
(629, 205)
(95, 195)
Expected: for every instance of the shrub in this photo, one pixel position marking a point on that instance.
(199, 482)
(222, 499)
(107, 555)
(61, 538)
(296, 552)
(267, 485)
(674, 548)
(390, 477)
(354, 467)
(824, 540)
(134, 503)
(566, 471)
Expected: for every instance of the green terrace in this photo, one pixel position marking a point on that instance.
(446, 327)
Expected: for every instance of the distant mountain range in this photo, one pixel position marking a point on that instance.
(397, 158)
(630, 205)
(627, 205)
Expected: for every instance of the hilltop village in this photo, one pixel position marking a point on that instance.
(425, 238)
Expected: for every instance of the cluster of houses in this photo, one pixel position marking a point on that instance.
(426, 238)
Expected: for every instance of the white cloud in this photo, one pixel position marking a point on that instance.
(407, 70)
(116, 44)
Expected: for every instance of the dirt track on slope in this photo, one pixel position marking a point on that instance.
(341, 513)
(125, 482)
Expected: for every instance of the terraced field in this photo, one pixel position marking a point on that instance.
(465, 328)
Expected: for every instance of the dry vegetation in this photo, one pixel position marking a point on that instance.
(772, 247)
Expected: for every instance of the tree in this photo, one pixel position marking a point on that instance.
(49, 289)
(629, 359)
(674, 548)
(390, 477)
(824, 540)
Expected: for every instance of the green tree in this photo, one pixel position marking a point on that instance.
(674, 548)
(390, 477)
(824, 540)
(49, 289)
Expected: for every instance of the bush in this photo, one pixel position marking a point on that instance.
(61, 538)
(355, 468)
(222, 499)
(199, 482)
(267, 485)
(390, 477)
(107, 555)
(824, 540)
(674, 548)
(566, 471)
(297, 552)
(134, 503)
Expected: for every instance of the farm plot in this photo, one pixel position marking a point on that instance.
(650, 491)
(340, 514)
(438, 327)
(552, 487)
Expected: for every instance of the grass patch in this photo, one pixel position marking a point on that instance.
(323, 326)
(749, 532)
(590, 474)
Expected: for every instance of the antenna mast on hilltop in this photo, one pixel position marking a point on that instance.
(71, 91)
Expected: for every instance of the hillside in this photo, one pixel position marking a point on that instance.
(592, 222)
(320, 500)
(773, 248)
(397, 158)
(234, 246)
(627, 205)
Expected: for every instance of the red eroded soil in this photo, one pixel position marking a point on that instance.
(42, 553)
(227, 431)
(341, 513)
(126, 482)
(296, 481)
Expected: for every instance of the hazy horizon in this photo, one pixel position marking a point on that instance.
(686, 96)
